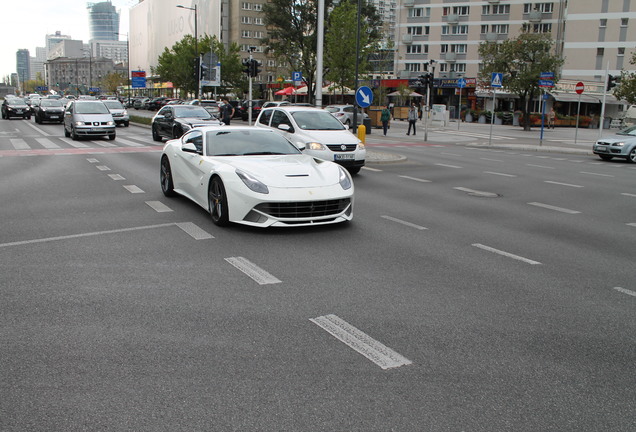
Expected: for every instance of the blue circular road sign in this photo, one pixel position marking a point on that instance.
(364, 96)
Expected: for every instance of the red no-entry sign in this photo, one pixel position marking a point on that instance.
(579, 88)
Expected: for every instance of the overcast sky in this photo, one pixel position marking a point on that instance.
(27, 22)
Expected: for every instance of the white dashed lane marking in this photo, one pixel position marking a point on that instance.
(252, 270)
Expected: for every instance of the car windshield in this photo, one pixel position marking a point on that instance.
(111, 104)
(17, 102)
(316, 120)
(247, 143)
(51, 103)
(629, 131)
(96, 107)
(192, 111)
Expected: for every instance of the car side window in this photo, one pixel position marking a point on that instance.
(163, 111)
(265, 116)
(195, 137)
(280, 118)
(69, 108)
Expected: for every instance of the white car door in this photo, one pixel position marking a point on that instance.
(187, 173)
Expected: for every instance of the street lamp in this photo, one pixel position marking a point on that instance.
(196, 46)
(127, 63)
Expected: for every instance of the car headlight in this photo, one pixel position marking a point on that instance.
(619, 144)
(253, 183)
(361, 145)
(344, 179)
(125, 113)
(110, 123)
(79, 123)
(314, 146)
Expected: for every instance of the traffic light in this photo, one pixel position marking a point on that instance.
(205, 72)
(612, 81)
(255, 68)
(195, 68)
(247, 67)
(425, 79)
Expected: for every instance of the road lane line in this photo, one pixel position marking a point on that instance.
(632, 224)
(133, 189)
(359, 341)
(596, 174)
(194, 231)
(103, 144)
(92, 160)
(550, 207)
(73, 236)
(506, 254)
(371, 169)
(415, 179)
(491, 160)
(74, 143)
(409, 224)
(628, 194)
(102, 167)
(158, 206)
(47, 143)
(116, 177)
(562, 184)
(252, 270)
(626, 291)
(476, 192)
(499, 174)
(447, 166)
(450, 154)
(129, 143)
(539, 166)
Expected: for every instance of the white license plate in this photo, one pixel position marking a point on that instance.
(344, 157)
(601, 149)
(55, 117)
(18, 111)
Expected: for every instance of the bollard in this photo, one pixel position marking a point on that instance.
(362, 132)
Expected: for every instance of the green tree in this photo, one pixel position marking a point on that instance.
(626, 89)
(340, 46)
(521, 60)
(111, 82)
(292, 33)
(233, 80)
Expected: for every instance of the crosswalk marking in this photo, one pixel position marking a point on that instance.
(19, 144)
(75, 144)
(128, 142)
(47, 143)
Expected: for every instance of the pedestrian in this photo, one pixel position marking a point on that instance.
(384, 118)
(227, 111)
(412, 118)
(551, 116)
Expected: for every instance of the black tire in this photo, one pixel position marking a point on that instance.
(74, 135)
(217, 202)
(165, 175)
(175, 133)
(37, 120)
(112, 136)
(354, 170)
(605, 157)
(126, 124)
(66, 132)
(348, 123)
(155, 134)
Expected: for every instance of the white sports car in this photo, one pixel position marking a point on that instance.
(255, 177)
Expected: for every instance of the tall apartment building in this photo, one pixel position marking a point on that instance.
(103, 21)
(23, 67)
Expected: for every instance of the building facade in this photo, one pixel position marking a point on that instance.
(22, 65)
(103, 21)
(77, 75)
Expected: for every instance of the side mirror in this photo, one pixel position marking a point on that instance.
(190, 148)
(285, 127)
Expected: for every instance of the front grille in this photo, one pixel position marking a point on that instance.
(95, 123)
(305, 209)
(338, 147)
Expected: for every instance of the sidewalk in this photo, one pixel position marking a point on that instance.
(558, 140)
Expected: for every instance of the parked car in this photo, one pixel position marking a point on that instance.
(344, 113)
(255, 177)
(275, 103)
(141, 103)
(15, 107)
(317, 133)
(48, 110)
(120, 114)
(156, 103)
(172, 121)
(88, 118)
(622, 145)
(257, 105)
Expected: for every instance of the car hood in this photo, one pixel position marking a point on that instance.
(193, 121)
(287, 171)
(92, 117)
(617, 138)
(328, 137)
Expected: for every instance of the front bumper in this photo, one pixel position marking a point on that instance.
(610, 150)
(95, 131)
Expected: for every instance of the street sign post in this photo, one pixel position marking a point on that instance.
(461, 83)
(579, 89)
(496, 81)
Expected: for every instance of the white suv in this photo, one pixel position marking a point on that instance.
(317, 133)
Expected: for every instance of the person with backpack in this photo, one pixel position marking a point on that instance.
(385, 117)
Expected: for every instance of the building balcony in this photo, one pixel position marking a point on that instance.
(534, 16)
(408, 3)
(452, 18)
(450, 57)
(491, 37)
(493, 1)
(407, 39)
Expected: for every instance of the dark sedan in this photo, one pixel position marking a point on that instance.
(172, 121)
(15, 107)
(48, 110)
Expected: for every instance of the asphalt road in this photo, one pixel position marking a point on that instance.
(477, 289)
